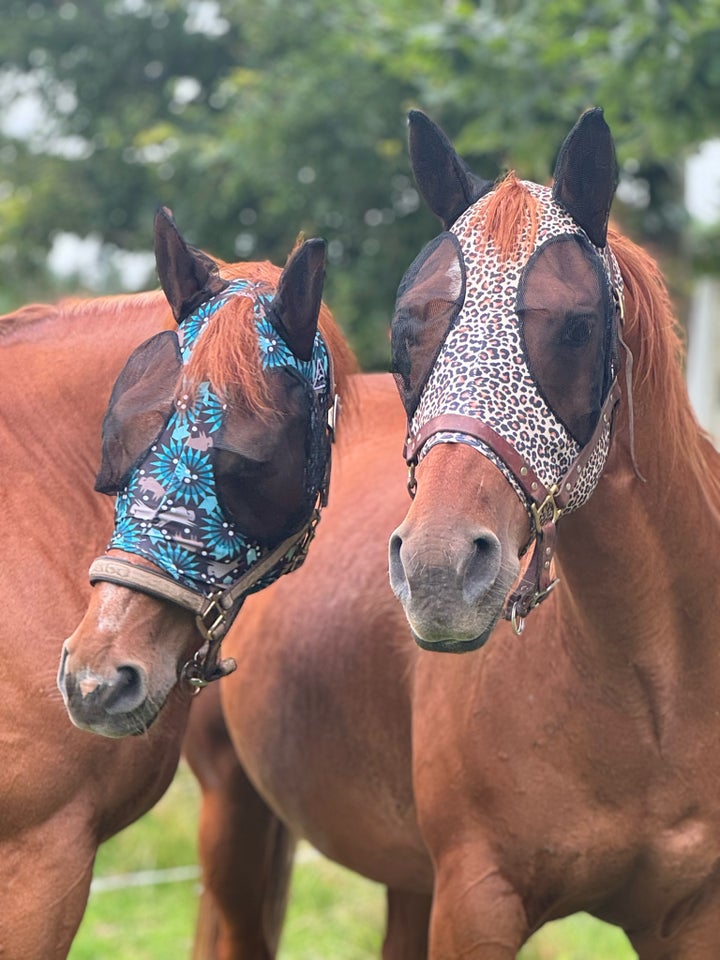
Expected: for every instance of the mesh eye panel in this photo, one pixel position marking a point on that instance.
(140, 405)
(566, 314)
(267, 474)
(429, 299)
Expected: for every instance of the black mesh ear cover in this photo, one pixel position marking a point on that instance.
(140, 405)
(446, 182)
(429, 299)
(586, 175)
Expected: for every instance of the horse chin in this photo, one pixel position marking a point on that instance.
(117, 727)
(455, 646)
(443, 641)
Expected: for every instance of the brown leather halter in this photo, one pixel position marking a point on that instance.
(215, 614)
(545, 505)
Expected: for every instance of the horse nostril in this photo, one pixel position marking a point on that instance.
(398, 577)
(482, 568)
(128, 691)
(65, 681)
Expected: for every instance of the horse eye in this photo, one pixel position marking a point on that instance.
(576, 330)
(231, 467)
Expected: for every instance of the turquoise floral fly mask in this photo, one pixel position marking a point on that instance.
(205, 485)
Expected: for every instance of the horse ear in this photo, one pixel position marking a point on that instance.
(446, 182)
(586, 175)
(295, 308)
(188, 276)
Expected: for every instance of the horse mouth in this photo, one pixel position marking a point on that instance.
(449, 645)
(117, 726)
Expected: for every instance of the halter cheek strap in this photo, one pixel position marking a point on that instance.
(545, 505)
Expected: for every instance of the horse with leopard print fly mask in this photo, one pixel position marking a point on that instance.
(506, 340)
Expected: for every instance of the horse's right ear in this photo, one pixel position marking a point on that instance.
(295, 308)
(188, 276)
(446, 182)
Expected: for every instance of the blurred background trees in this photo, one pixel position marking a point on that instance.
(257, 119)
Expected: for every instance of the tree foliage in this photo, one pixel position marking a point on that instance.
(257, 119)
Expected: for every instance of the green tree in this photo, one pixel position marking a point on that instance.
(257, 119)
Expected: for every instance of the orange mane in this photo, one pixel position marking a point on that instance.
(653, 335)
(227, 354)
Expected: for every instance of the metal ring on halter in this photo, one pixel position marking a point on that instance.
(516, 619)
(411, 481)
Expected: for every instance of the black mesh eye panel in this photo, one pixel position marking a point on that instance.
(429, 299)
(566, 313)
(268, 473)
(140, 406)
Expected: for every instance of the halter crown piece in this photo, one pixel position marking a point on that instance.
(514, 353)
(170, 507)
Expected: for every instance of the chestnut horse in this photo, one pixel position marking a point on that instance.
(571, 768)
(65, 791)
(217, 444)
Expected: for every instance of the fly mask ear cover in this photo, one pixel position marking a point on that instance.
(526, 333)
(159, 451)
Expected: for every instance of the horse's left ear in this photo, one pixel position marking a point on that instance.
(586, 175)
(188, 276)
(295, 308)
(446, 182)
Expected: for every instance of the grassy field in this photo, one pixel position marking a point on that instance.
(332, 914)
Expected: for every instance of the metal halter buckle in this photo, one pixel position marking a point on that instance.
(539, 511)
(212, 617)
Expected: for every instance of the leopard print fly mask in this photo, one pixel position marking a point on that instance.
(522, 340)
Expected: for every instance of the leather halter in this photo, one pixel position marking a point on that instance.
(545, 505)
(215, 614)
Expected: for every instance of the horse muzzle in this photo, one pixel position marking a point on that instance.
(113, 705)
(452, 586)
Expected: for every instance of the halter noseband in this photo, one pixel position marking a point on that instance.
(545, 505)
(214, 614)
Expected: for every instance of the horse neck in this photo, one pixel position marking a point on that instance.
(640, 559)
(58, 365)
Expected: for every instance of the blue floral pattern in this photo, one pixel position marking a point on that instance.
(169, 512)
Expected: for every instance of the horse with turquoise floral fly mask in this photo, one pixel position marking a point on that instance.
(219, 483)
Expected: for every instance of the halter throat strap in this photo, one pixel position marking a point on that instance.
(545, 505)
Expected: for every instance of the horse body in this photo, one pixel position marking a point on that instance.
(293, 706)
(63, 791)
(570, 768)
(578, 780)
(579, 771)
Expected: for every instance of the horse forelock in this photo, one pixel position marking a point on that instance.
(344, 361)
(227, 355)
(509, 215)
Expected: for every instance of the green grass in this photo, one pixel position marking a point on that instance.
(332, 912)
